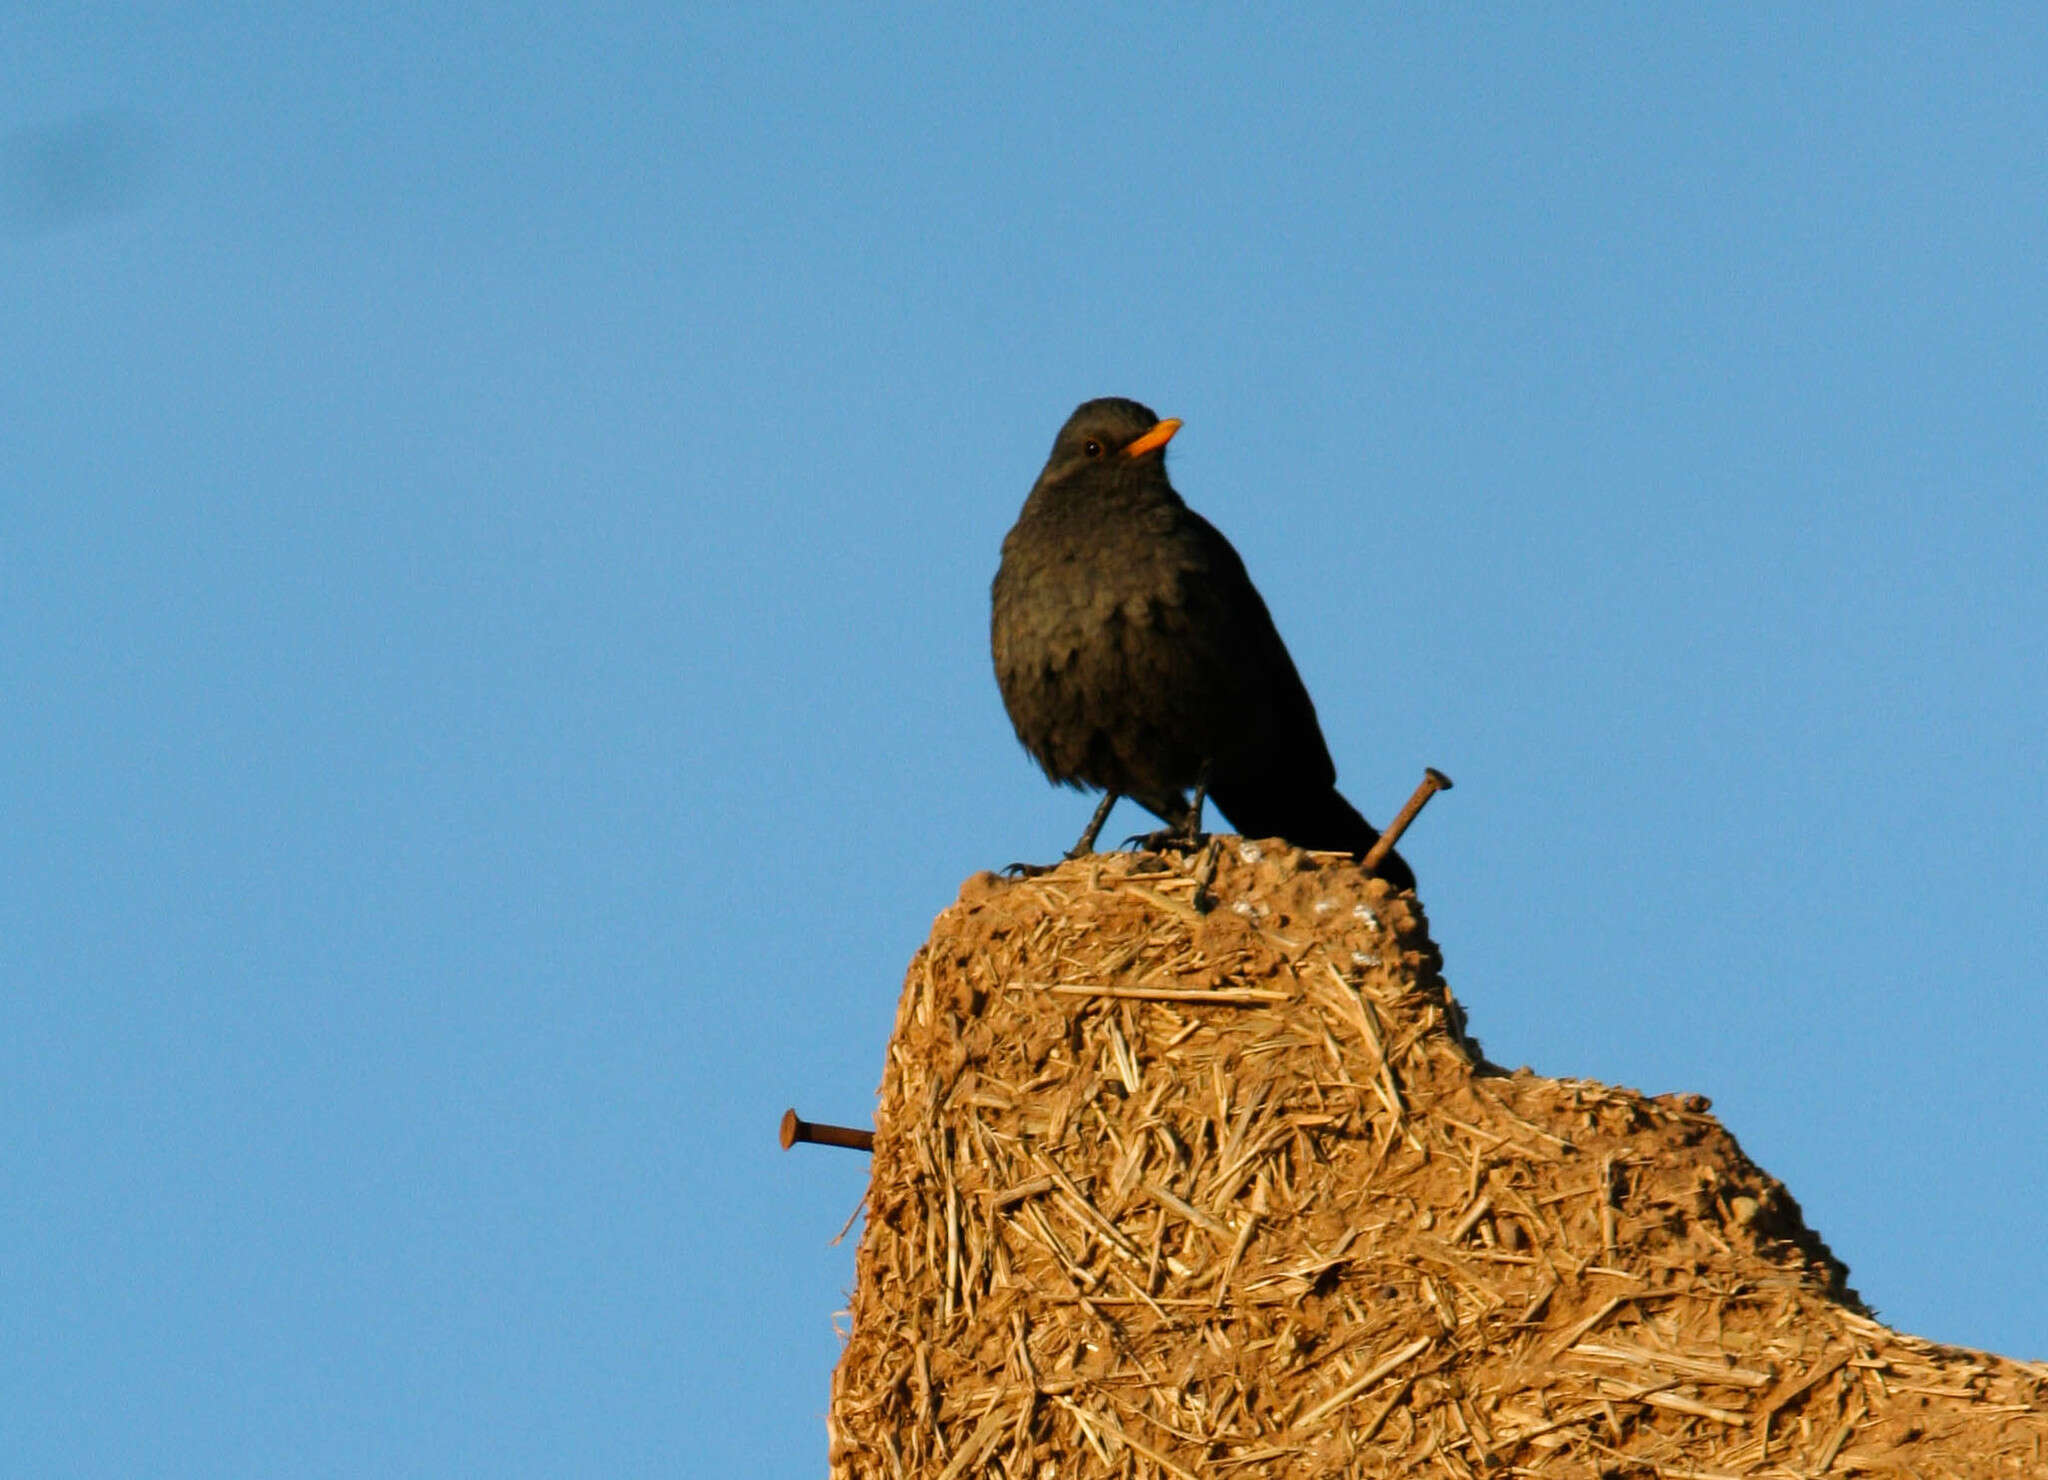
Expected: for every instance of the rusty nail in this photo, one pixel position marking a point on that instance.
(1433, 781)
(795, 1129)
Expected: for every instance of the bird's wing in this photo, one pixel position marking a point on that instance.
(1236, 659)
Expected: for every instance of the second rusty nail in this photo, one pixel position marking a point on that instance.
(1433, 781)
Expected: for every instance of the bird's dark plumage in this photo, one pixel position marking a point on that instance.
(1135, 655)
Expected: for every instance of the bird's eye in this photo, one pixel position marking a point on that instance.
(1092, 447)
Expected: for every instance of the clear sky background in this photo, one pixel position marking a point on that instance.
(496, 514)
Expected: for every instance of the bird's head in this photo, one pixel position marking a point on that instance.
(1113, 434)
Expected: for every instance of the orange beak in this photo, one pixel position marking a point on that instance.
(1159, 436)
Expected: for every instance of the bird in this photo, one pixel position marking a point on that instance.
(1135, 657)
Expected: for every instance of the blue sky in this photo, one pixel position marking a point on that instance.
(496, 510)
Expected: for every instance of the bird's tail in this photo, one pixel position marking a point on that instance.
(1308, 816)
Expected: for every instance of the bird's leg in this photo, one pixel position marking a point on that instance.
(1183, 830)
(1081, 849)
(1086, 845)
(1192, 825)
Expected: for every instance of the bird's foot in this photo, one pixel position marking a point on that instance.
(1033, 870)
(1183, 831)
(1167, 840)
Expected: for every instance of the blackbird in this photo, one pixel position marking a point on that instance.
(1135, 655)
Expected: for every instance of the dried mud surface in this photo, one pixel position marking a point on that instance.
(1186, 1167)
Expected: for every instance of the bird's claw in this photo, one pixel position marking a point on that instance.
(1166, 840)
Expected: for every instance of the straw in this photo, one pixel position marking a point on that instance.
(1186, 1167)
